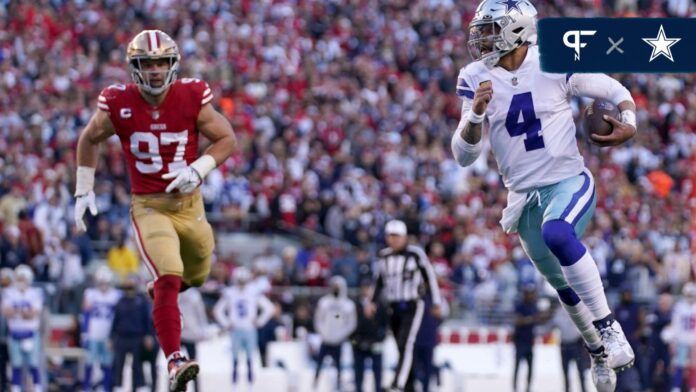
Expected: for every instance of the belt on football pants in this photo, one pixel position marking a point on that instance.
(167, 202)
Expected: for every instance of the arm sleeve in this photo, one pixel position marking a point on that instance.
(597, 86)
(319, 318)
(219, 311)
(429, 276)
(352, 318)
(464, 153)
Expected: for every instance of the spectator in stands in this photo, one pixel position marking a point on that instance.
(268, 261)
(22, 306)
(195, 325)
(84, 245)
(572, 348)
(302, 324)
(6, 278)
(368, 338)
(335, 320)
(527, 317)
(67, 271)
(122, 259)
(30, 236)
(364, 266)
(344, 264)
(11, 204)
(131, 331)
(12, 252)
(290, 274)
(466, 277)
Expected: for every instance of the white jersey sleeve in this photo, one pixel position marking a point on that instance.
(464, 153)
(598, 86)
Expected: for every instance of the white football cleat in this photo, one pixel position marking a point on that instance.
(619, 353)
(603, 377)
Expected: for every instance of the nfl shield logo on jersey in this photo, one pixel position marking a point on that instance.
(155, 115)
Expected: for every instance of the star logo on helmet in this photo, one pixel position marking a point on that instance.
(510, 5)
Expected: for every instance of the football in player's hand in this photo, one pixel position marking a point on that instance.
(594, 117)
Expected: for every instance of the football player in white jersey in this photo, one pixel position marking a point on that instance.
(98, 315)
(551, 195)
(683, 334)
(238, 311)
(22, 306)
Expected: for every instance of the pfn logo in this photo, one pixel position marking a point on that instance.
(576, 44)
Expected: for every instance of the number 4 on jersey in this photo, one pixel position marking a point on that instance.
(530, 124)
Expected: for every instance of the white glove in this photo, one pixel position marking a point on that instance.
(186, 180)
(81, 204)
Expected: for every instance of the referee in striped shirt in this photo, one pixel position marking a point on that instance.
(403, 271)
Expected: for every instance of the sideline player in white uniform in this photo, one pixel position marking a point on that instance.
(22, 306)
(238, 311)
(98, 315)
(683, 331)
(551, 195)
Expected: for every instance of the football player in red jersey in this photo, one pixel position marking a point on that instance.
(158, 119)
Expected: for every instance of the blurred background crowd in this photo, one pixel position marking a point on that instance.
(343, 111)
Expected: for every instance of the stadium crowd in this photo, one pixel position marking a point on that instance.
(343, 112)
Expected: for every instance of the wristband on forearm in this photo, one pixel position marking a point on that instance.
(629, 117)
(204, 165)
(84, 180)
(476, 118)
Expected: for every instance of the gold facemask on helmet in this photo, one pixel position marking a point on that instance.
(152, 45)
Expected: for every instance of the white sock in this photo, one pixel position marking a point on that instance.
(584, 278)
(582, 318)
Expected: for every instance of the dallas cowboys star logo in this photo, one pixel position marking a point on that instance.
(510, 5)
(661, 45)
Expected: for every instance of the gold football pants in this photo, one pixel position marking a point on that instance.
(173, 235)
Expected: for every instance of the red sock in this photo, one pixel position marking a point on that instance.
(165, 313)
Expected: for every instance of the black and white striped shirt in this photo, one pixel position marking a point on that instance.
(400, 275)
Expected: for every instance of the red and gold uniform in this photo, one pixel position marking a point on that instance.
(171, 230)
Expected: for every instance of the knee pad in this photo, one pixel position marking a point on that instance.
(559, 236)
(557, 233)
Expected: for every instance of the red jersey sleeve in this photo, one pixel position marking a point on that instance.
(201, 93)
(108, 96)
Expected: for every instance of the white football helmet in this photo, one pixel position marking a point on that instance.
(499, 27)
(241, 276)
(689, 292)
(24, 274)
(103, 276)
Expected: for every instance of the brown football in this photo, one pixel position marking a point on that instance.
(594, 121)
